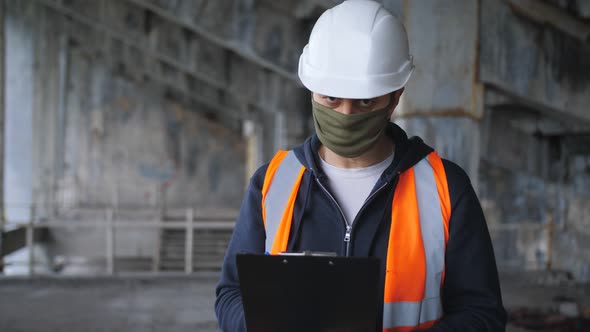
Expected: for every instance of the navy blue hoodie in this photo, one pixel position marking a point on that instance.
(471, 292)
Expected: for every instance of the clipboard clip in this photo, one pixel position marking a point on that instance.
(309, 253)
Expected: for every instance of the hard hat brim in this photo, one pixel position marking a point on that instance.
(367, 87)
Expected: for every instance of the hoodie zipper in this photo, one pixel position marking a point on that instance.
(348, 233)
(368, 200)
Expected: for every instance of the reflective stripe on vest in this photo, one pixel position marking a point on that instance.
(417, 238)
(416, 250)
(278, 199)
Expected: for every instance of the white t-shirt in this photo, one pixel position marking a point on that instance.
(352, 186)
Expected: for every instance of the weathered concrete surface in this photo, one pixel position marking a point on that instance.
(455, 138)
(443, 99)
(131, 145)
(534, 191)
(99, 134)
(18, 137)
(580, 8)
(445, 55)
(572, 238)
(2, 120)
(533, 171)
(534, 62)
(46, 83)
(134, 147)
(130, 68)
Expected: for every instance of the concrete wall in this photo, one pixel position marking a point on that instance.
(119, 141)
(536, 203)
(443, 100)
(535, 60)
(128, 145)
(534, 144)
(516, 195)
(571, 241)
(106, 137)
(500, 88)
(140, 104)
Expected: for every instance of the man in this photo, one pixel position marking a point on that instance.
(361, 187)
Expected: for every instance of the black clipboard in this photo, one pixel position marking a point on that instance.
(309, 293)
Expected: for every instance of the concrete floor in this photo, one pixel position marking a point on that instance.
(181, 303)
(130, 304)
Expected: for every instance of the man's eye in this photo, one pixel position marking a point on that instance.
(366, 102)
(331, 99)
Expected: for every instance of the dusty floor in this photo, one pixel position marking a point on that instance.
(551, 293)
(180, 303)
(127, 304)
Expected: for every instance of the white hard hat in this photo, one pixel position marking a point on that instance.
(356, 50)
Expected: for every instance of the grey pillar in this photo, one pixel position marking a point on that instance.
(443, 101)
(1, 133)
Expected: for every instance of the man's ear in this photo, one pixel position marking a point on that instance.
(396, 96)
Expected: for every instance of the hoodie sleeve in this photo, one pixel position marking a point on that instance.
(248, 236)
(471, 292)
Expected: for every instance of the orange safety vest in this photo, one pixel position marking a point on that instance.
(417, 238)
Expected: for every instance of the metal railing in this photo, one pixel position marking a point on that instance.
(110, 225)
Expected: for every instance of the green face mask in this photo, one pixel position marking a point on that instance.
(349, 135)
